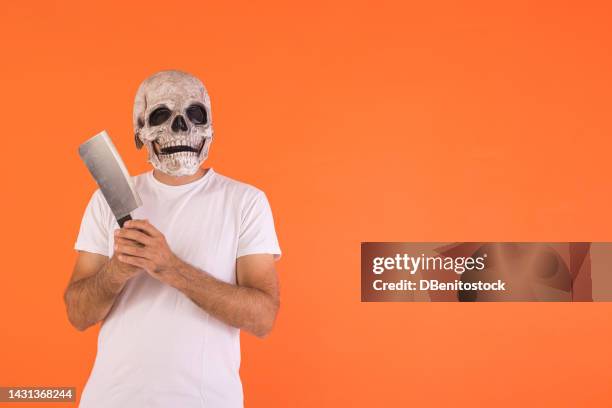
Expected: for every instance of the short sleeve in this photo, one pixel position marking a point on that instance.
(257, 233)
(94, 231)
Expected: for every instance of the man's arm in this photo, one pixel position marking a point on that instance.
(95, 283)
(251, 305)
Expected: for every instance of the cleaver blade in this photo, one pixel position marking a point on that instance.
(107, 168)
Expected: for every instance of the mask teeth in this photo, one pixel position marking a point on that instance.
(193, 141)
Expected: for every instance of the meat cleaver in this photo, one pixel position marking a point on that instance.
(107, 168)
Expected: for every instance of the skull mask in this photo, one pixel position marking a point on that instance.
(172, 118)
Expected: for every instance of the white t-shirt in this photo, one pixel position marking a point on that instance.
(157, 348)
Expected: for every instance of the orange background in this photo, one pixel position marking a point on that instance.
(362, 121)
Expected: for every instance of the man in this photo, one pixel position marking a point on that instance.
(175, 285)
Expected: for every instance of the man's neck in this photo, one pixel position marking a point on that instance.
(177, 181)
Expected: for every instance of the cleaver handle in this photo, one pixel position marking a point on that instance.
(122, 220)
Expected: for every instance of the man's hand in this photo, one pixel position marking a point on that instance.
(141, 245)
(120, 272)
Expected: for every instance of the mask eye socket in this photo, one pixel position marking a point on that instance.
(159, 116)
(197, 114)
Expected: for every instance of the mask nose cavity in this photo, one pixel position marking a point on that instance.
(179, 124)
